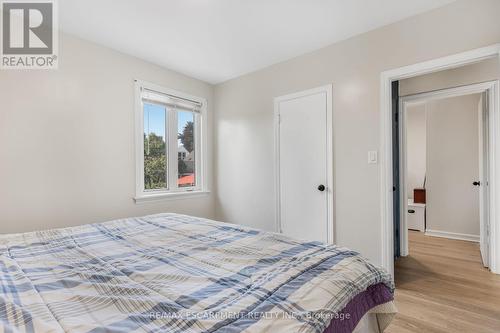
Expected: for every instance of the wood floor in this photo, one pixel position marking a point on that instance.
(442, 286)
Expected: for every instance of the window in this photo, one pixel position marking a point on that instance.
(169, 143)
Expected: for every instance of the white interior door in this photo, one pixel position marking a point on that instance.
(483, 178)
(304, 164)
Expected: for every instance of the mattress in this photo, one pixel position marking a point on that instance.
(177, 273)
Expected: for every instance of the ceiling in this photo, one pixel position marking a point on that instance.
(216, 40)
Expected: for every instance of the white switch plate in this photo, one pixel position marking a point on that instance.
(372, 157)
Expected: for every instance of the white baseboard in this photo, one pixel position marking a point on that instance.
(452, 235)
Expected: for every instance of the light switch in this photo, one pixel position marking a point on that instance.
(372, 157)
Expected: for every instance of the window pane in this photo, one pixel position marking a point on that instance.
(155, 156)
(186, 149)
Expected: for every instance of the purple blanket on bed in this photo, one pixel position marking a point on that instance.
(350, 316)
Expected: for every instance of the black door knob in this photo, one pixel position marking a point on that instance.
(476, 183)
(321, 188)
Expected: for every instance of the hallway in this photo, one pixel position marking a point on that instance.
(443, 287)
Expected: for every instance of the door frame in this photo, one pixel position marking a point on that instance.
(328, 91)
(386, 184)
(484, 172)
(489, 87)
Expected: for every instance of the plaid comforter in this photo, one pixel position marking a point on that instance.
(174, 273)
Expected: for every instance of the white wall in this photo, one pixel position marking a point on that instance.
(416, 139)
(67, 140)
(244, 116)
(452, 165)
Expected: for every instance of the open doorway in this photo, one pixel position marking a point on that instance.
(445, 155)
(389, 220)
(443, 166)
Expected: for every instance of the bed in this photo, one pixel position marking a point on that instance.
(177, 273)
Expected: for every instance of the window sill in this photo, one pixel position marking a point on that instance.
(170, 196)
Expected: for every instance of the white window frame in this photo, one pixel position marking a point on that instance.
(200, 133)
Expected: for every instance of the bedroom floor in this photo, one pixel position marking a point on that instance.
(443, 287)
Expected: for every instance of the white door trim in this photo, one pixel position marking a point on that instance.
(386, 200)
(327, 89)
(478, 88)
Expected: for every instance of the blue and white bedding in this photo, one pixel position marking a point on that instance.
(174, 273)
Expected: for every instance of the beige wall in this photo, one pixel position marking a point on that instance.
(244, 116)
(67, 136)
(67, 140)
(452, 165)
(416, 138)
(486, 70)
(447, 211)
